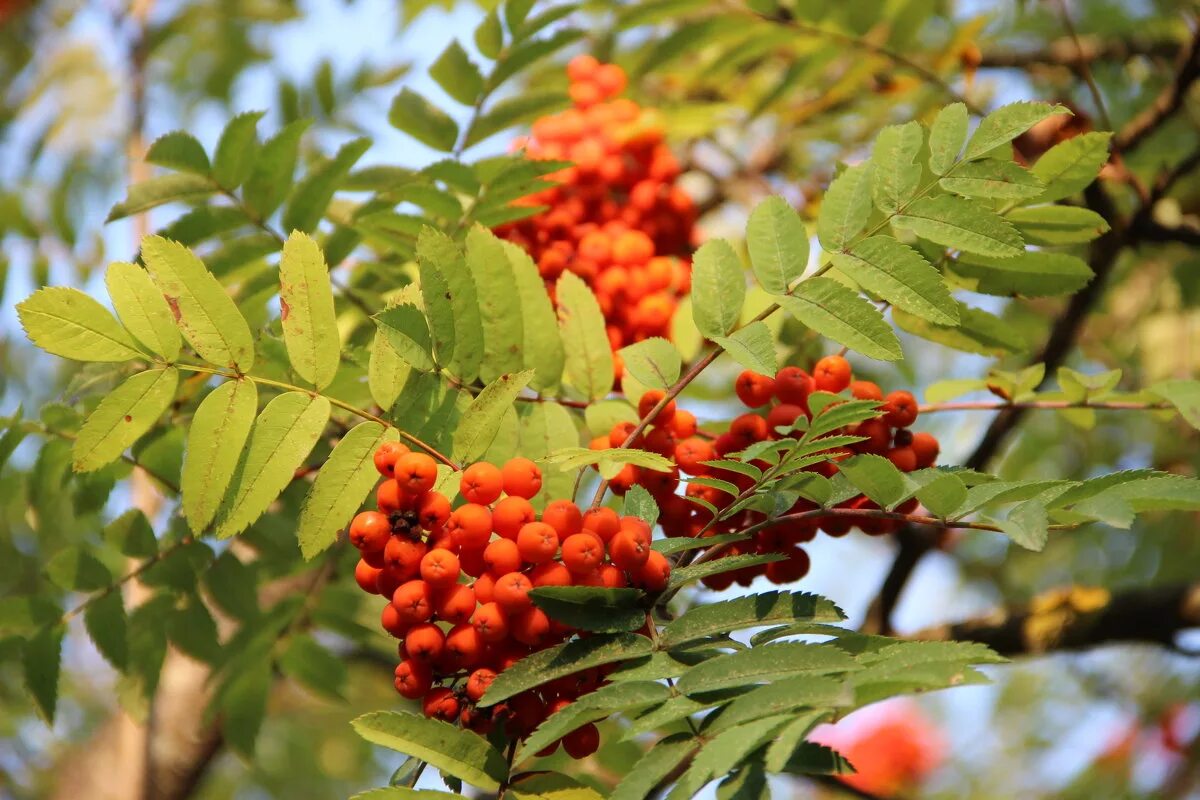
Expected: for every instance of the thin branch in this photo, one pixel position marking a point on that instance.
(1082, 67)
(1065, 52)
(127, 577)
(1166, 104)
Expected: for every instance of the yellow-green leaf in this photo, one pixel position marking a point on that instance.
(215, 440)
(123, 416)
(310, 329)
(142, 308)
(68, 323)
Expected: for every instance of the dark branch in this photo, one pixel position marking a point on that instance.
(1063, 52)
(1167, 103)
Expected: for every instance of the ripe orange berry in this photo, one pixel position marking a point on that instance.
(655, 573)
(791, 569)
(783, 415)
(793, 386)
(393, 622)
(424, 642)
(386, 457)
(620, 433)
(652, 398)
(440, 703)
(502, 556)
(440, 568)
(391, 497)
(582, 742)
(610, 79)
(624, 480)
(464, 647)
(691, 453)
(403, 557)
(471, 526)
(552, 573)
(491, 623)
(521, 477)
(750, 428)
(484, 588)
(455, 604)
(367, 577)
(925, 446)
(478, 683)
(900, 409)
(512, 592)
(537, 542)
(683, 424)
(416, 473)
(582, 68)
(632, 248)
(879, 436)
(754, 389)
(370, 530)
(481, 483)
(832, 374)
(866, 390)
(510, 514)
(433, 510)
(530, 626)
(413, 679)
(602, 521)
(903, 457)
(564, 516)
(628, 551)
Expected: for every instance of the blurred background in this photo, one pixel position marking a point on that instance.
(765, 107)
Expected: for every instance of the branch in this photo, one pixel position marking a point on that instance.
(1064, 53)
(1053, 405)
(1166, 104)
(1078, 619)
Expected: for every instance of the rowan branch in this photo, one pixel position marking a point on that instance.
(1166, 104)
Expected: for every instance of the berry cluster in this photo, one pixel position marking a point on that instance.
(616, 218)
(777, 403)
(458, 583)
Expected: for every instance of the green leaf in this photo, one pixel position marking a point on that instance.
(313, 666)
(437, 297)
(1034, 273)
(550, 786)
(425, 122)
(515, 110)
(310, 329)
(406, 331)
(1058, 225)
(876, 477)
(483, 417)
(658, 762)
(725, 751)
(1071, 165)
(206, 314)
(311, 196)
(1026, 525)
(453, 751)
(900, 275)
(592, 608)
(215, 440)
(42, 663)
(77, 570)
(946, 137)
(841, 314)
(641, 504)
(780, 697)
(503, 331)
(192, 629)
(106, 623)
(962, 224)
(122, 417)
(750, 611)
(770, 662)
(752, 346)
(386, 372)
(132, 535)
(68, 323)
(653, 362)
(457, 76)
(179, 151)
(1007, 123)
(589, 360)
(402, 793)
(489, 36)
(778, 244)
(282, 437)
(977, 332)
(943, 494)
(1184, 395)
(565, 659)
(543, 427)
(243, 703)
(344, 480)
(816, 759)
(895, 175)
(718, 287)
(176, 187)
(543, 347)
(142, 309)
(274, 167)
(437, 251)
(991, 178)
(685, 575)
(845, 208)
(232, 586)
(237, 150)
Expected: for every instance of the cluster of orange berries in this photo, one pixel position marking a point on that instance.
(778, 402)
(458, 580)
(616, 218)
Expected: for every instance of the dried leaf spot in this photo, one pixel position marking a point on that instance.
(128, 418)
(283, 309)
(173, 302)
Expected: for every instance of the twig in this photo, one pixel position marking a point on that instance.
(1166, 104)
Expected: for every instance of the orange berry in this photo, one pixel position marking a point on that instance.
(391, 620)
(624, 480)
(552, 573)
(866, 390)
(750, 428)
(403, 556)
(530, 626)
(754, 389)
(537, 542)
(481, 483)
(463, 647)
(491, 623)
(502, 556)
(602, 521)
(832, 374)
(478, 683)
(386, 457)
(628, 551)
(440, 703)
(391, 497)
(582, 553)
(564, 516)
(793, 386)
(683, 424)
(512, 592)
(484, 588)
(455, 604)
(903, 458)
(424, 642)
(367, 577)
(433, 510)
(471, 526)
(582, 67)
(510, 514)
(632, 248)
(783, 415)
(522, 478)
(926, 448)
(582, 742)
(620, 433)
(900, 409)
(647, 403)
(413, 601)
(655, 573)
(610, 79)
(440, 568)
(370, 530)
(413, 679)
(691, 452)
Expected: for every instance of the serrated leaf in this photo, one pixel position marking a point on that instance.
(723, 752)
(785, 696)
(718, 286)
(310, 198)
(515, 110)
(106, 623)
(1071, 165)
(1034, 273)
(778, 243)
(387, 372)
(237, 150)
(752, 346)
(68, 323)
(483, 417)
(132, 535)
(77, 570)
(565, 659)
(895, 175)
(215, 440)
(282, 437)
(1184, 395)
(413, 114)
(589, 360)
(306, 311)
(42, 662)
(876, 477)
(344, 480)
(900, 275)
(232, 586)
(659, 761)
(977, 332)
(770, 662)
(313, 666)
(406, 331)
(550, 786)
(243, 703)
(690, 574)
(845, 208)
(489, 36)
(992, 178)
(654, 362)
(961, 224)
(207, 316)
(274, 166)
(591, 608)
(1026, 525)
(175, 187)
(457, 76)
(503, 331)
(943, 494)
(946, 137)
(640, 503)
(142, 308)
(122, 417)
(181, 151)
(1007, 123)
(191, 629)
(751, 611)
(543, 345)
(841, 314)
(1058, 225)
(569, 458)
